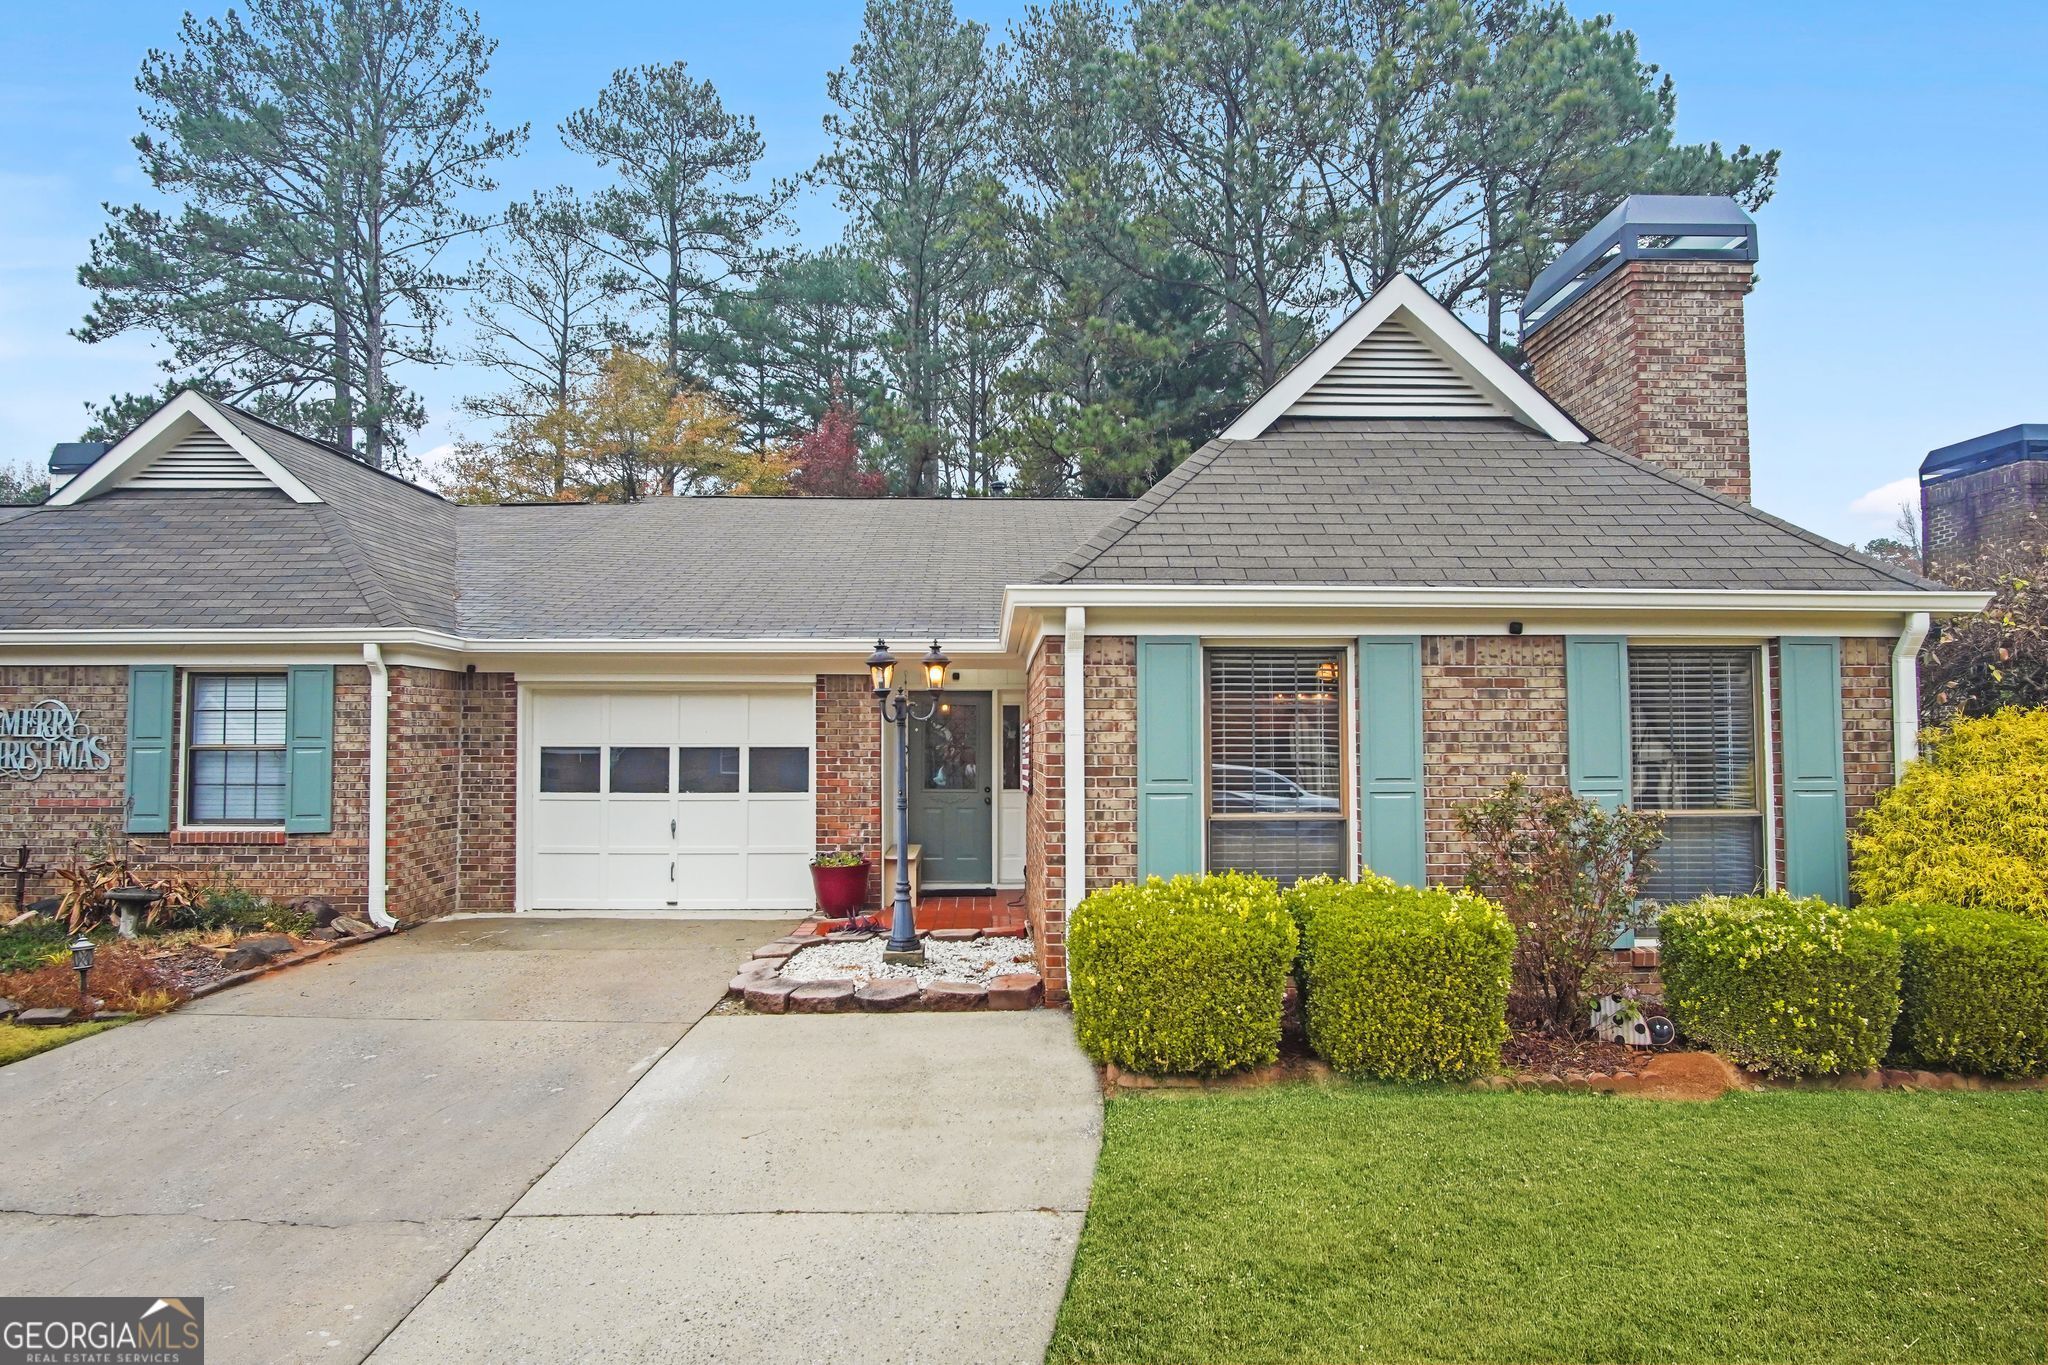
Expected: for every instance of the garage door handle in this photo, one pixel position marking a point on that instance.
(671, 827)
(671, 871)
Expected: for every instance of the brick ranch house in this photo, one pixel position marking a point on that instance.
(1403, 574)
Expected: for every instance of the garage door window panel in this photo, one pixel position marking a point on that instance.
(778, 770)
(708, 771)
(569, 771)
(640, 770)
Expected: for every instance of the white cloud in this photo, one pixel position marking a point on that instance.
(1879, 508)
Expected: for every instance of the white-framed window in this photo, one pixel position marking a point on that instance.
(1277, 796)
(1695, 756)
(235, 749)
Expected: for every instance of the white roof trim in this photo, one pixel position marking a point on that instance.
(1442, 332)
(142, 446)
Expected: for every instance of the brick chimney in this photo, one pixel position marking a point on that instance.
(1636, 331)
(1984, 496)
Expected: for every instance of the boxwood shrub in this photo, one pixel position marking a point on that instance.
(1783, 986)
(1973, 990)
(1181, 975)
(1400, 983)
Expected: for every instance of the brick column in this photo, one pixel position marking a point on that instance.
(1045, 812)
(489, 795)
(849, 772)
(1110, 672)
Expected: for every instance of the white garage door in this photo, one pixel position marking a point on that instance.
(670, 800)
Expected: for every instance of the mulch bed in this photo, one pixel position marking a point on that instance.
(1538, 1054)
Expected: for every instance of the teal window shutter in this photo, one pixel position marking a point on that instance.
(1816, 821)
(1169, 756)
(309, 751)
(1596, 724)
(1390, 756)
(150, 707)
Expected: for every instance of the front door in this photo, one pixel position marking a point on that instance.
(952, 791)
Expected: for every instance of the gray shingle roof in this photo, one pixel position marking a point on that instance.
(759, 567)
(1441, 503)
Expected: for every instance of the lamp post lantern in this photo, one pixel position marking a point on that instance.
(894, 702)
(81, 962)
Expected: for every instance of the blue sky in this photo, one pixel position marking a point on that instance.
(1903, 295)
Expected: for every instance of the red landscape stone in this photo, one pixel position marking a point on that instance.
(821, 997)
(775, 950)
(954, 995)
(888, 997)
(1016, 991)
(770, 996)
(1005, 931)
(955, 935)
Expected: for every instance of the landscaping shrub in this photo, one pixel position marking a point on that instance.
(1788, 987)
(1968, 824)
(1566, 870)
(33, 943)
(1973, 990)
(1401, 983)
(233, 907)
(1181, 975)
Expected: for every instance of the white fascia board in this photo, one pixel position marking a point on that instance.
(1438, 327)
(139, 446)
(1026, 607)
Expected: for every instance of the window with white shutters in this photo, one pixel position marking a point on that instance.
(1693, 755)
(1276, 762)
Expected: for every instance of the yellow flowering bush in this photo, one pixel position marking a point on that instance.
(1783, 986)
(1402, 983)
(1973, 990)
(1184, 975)
(1968, 824)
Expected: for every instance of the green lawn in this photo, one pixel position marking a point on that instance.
(1376, 1224)
(17, 1042)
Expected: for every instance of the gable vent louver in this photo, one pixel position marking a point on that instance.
(201, 460)
(1394, 373)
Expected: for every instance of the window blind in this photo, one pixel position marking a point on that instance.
(1276, 762)
(1693, 755)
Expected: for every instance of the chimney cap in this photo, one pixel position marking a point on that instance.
(2028, 441)
(69, 457)
(1643, 227)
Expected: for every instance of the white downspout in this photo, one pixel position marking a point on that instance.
(1073, 735)
(1906, 692)
(380, 726)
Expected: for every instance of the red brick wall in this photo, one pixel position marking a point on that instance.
(489, 794)
(1110, 688)
(423, 778)
(1492, 706)
(849, 772)
(1045, 812)
(65, 816)
(1652, 360)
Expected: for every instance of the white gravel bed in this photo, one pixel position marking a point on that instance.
(975, 962)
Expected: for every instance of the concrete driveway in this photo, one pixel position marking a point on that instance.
(330, 1155)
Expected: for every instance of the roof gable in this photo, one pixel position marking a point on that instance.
(1402, 354)
(186, 445)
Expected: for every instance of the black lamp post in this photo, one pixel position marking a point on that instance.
(81, 962)
(898, 710)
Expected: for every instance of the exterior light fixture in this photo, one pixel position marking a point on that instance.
(882, 669)
(935, 665)
(81, 962)
(898, 710)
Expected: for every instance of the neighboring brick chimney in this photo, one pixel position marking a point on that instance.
(1984, 496)
(1636, 331)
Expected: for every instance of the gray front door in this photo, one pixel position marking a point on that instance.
(950, 790)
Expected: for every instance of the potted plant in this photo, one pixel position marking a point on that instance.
(841, 883)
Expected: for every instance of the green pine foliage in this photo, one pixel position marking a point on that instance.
(1184, 975)
(1788, 987)
(1403, 984)
(1973, 990)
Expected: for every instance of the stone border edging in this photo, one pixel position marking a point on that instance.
(760, 986)
(311, 951)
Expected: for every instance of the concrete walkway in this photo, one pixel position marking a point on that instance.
(329, 1157)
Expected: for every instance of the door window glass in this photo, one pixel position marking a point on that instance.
(568, 770)
(952, 747)
(1013, 757)
(775, 768)
(707, 771)
(640, 769)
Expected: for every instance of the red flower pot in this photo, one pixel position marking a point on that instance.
(842, 891)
